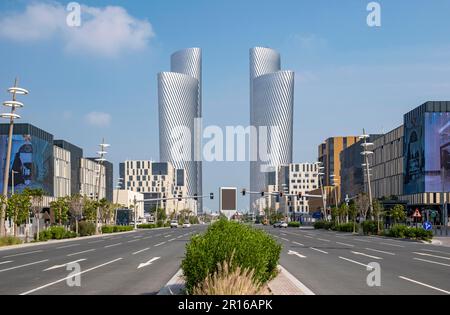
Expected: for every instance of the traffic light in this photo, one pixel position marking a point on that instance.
(262, 194)
(211, 196)
(179, 197)
(244, 191)
(280, 194)
(195, 197)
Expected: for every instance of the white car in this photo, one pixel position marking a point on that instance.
(186, 225)
(173, 224)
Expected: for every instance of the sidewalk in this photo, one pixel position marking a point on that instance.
(284, 284)
(441, 241)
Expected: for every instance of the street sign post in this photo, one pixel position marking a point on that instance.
(427, 226)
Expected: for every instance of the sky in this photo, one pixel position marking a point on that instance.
(99, 80)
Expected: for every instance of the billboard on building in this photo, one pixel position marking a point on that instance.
(31, 161)
(427, 153)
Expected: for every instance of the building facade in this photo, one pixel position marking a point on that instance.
(329, 155)
(127, 198)
(180, 110)
(271, 107)
(156, 180)
(89, 177)
(62, 172)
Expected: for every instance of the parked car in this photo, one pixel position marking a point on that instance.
(186, 225)
(173, 224)
(280, 225)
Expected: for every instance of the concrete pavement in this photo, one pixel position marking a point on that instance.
(132, 263)
(338, 263)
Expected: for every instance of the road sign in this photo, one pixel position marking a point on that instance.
(417, 214)
(428, 226)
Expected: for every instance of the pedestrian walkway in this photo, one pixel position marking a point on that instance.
(442, 241)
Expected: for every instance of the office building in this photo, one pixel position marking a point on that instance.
(271, 107)
(89, 177)
(126, 198)
(180, 107)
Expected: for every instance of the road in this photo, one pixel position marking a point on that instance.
(108, 265)
(336, 263)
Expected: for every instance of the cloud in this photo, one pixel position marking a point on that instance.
(98, 119)
(307, 41)
(108, 31)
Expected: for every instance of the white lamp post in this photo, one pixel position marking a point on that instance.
(11, 116)
(366, 152)
(100, 161)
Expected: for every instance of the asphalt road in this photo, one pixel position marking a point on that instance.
(336, 263)
(140, 262)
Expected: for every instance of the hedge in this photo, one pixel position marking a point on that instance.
(116, 228)
(403, 231)
(294, 224)
(147, 226)
(250, 247)
(10, 240)
(86, 228)
(323, 225)
(346, 227)
(370, 227)
(55, 233)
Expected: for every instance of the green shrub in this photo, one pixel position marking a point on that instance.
(402, 231)
(147, 226)
(116, 228)
(294, 224)
(250, 248)
(370, 227)
(346, 227)
(55, 233)
(86, 228)
(10, 240)
(319, 225)
(193, 220)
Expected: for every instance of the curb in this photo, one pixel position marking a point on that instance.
(175, 286)
(26, 245)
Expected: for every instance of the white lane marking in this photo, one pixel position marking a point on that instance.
(285, 239)
(431, 255)
(424, 284)
(70, 277)
(180, 236)
(146, 238)
(435, 251)
(148, 263)
(323, 240)
(139, 236)
(308, 236)
(318, 250)
(432, 262)
(64, 265)
(345, 244)
(22, 254)
(140, 251)
(172, 239)
(283, 234)
(78, 253)
(361, 240)
(96, 242)
(108, 246)
(395, 245)
(355, 262)
(133, 241)
(26, 265)
(160, 244)
(342, 237)
(158, 234)
(380, 251)
(296, 254)
(5, 262)
(67, 246)
(362, 254)
(297, 243)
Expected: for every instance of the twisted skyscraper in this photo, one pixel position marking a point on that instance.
(180, 103)
(271, 106)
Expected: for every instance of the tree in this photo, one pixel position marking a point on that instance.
(3, 206)
(362, 203)
(76, 209)
(60, 208)
(353, 212)
(398, 213)
(343, 212)
(90, 209)
(37, 197)
(378, 211)
(18, 209)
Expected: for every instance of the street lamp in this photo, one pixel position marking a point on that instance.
(334, 180)
(366, 152)
(13, 173)
(11, 116)
(101, 159)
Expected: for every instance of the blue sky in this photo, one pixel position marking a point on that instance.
(348, 76)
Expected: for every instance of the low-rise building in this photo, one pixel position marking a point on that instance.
(130, 200)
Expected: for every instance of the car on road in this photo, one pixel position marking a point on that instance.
(186, 225)
(280, 225)
(173, 224)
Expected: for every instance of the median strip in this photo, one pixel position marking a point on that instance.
(69, 277)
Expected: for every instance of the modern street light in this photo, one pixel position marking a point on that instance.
(366, 152)
(13, 173)
(118, 188)
(101, 159)
(334, 180)
(11, 116)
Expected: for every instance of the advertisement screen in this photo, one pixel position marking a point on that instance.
(414, 156)
(228, 199)
(437, 152)
(31, 163)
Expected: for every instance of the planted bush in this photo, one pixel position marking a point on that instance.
(147, 226)
(346, 227)
(294, 224)
(10, 240)
(56, 233)
(370, 227)
(86, 228)
(402, 231)
(116, 228)
(250, 248)
(323, 225)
